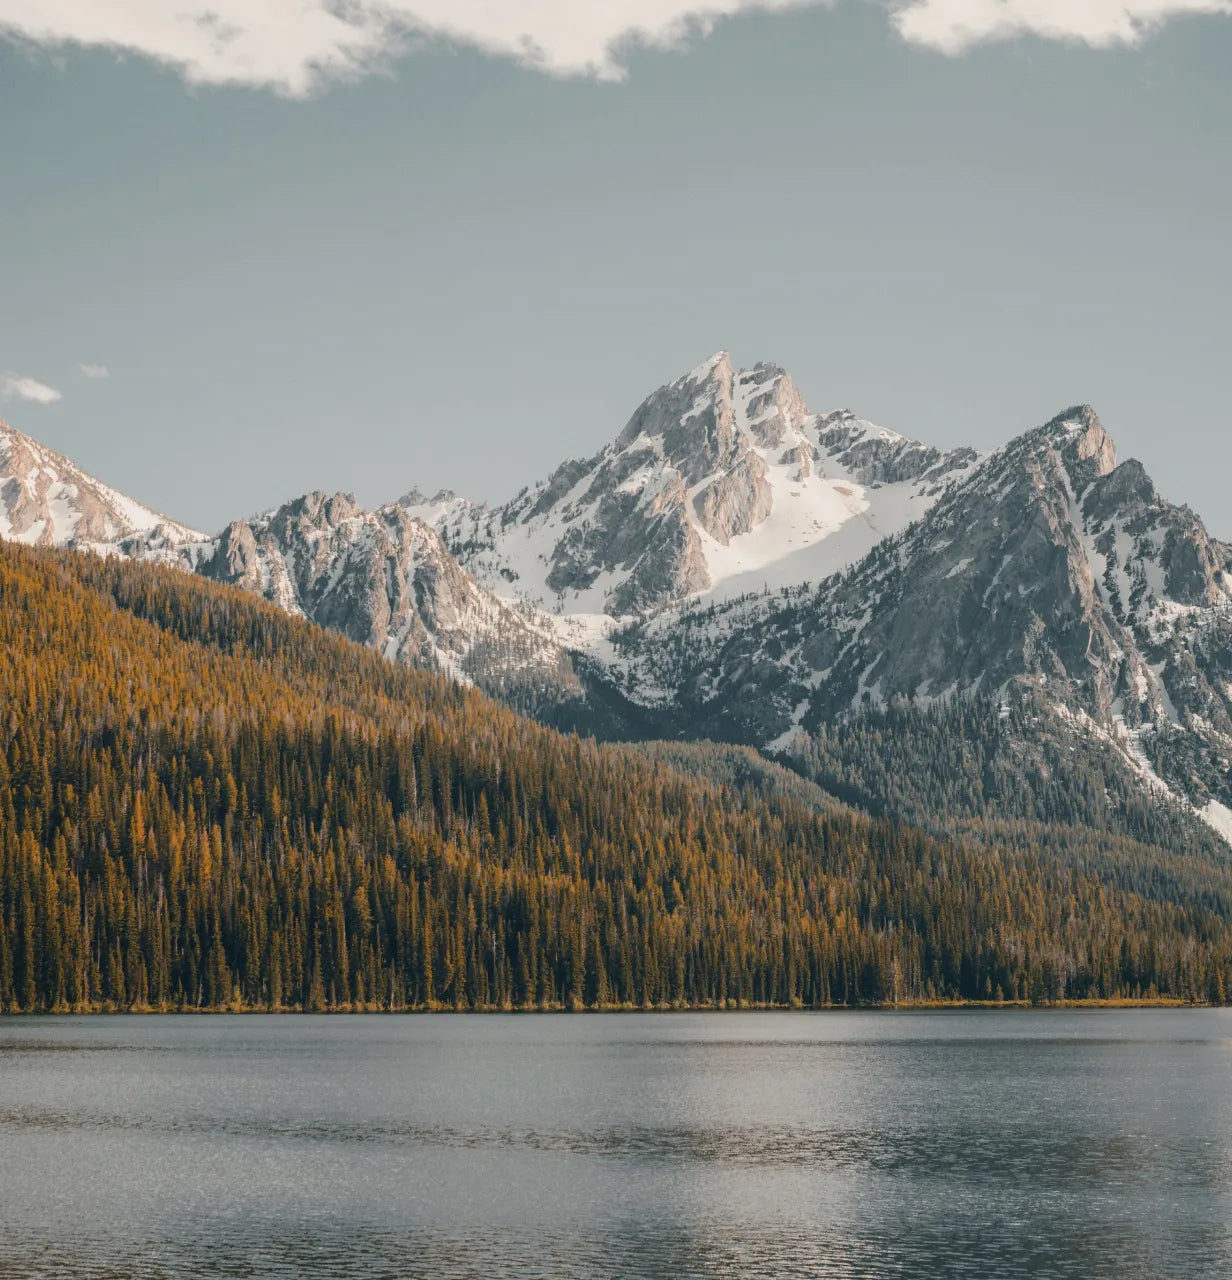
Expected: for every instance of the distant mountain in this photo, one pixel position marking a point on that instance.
(46, 500)
(736, 566)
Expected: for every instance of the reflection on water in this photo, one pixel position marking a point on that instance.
(836, 1145)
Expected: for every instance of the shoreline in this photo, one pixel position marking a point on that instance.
(920, 1006)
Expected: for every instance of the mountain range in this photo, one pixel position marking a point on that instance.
(735, 566)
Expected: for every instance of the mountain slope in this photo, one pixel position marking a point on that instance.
(1049, 566)
(47, 500)
(206, 803)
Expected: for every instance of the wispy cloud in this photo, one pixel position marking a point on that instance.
(14, 386)
(954, 26)
(95, 371)
(296, 46)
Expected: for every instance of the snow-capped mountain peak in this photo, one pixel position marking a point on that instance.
(722, 482)
(1048, 565)
(48, 500)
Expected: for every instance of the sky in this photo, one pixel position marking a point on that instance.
(250, 248)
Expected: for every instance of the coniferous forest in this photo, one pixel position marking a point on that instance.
(207, 804)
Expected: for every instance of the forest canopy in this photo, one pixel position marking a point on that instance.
(207, 804)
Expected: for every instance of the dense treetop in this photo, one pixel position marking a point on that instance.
(206, 804)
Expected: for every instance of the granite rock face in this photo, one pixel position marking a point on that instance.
(384, 579)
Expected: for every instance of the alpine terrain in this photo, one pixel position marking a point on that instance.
(1032, 636)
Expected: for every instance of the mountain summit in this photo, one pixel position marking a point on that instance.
(721, 482)
(1049, 566)
(736, 565)
(47, 500)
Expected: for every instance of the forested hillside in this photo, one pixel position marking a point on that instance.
(977, 760)
(205, 803)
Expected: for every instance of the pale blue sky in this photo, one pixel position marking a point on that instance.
(458, 271)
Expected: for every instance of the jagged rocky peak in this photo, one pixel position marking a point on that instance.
(418, 502)
(875, 456)
(721, 482)
(1128, 485)
(705, 419)
(709, 426)
(773, 405)
(1148, 549)
(691, 421)
(386, 579)
(1145, 554)
(1079, 436)
(315, 510)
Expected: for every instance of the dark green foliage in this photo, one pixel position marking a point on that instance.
(992, 760)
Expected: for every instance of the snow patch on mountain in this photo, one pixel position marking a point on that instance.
(1219, 818)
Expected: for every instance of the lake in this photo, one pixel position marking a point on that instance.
(966, 1144)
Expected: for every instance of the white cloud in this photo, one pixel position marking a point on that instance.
(95, 371)
(12, 384)
(954, 26)
(295, 46)
(292, 46)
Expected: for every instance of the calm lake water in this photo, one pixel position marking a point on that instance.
(883, 1145)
